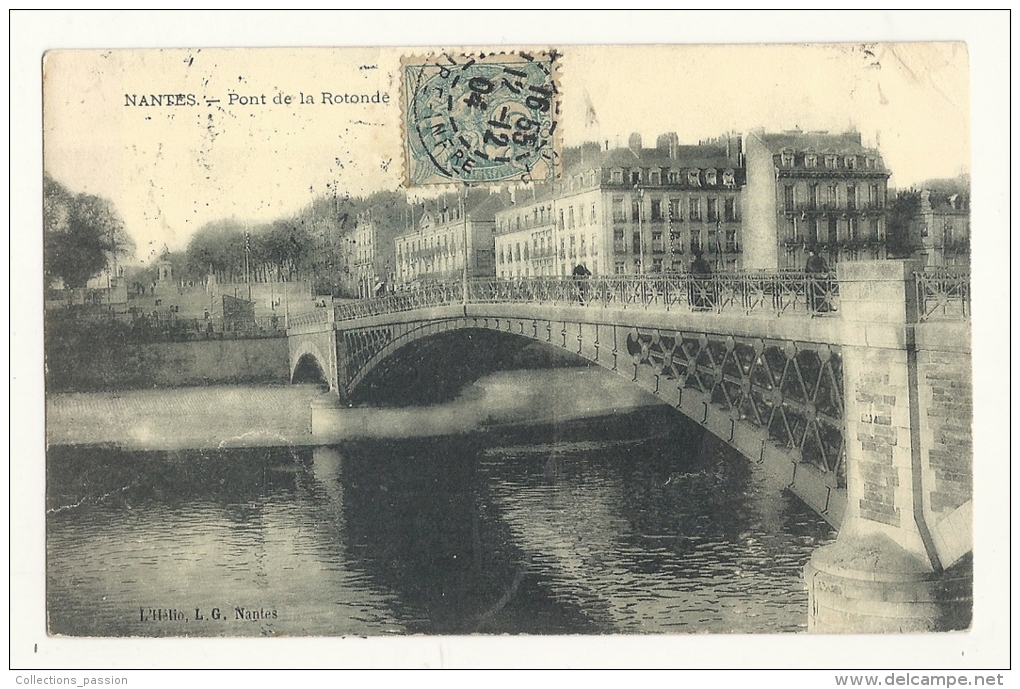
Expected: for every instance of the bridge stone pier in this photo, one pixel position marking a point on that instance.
(853, 392)
(901, 561)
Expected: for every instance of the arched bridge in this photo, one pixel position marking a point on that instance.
(855, 387)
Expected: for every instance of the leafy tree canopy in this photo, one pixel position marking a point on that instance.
(81, 234)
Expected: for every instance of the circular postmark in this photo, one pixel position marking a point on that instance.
(480, 118)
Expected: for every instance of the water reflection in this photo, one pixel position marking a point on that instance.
(630, 524)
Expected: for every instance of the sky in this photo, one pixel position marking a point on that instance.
(171, 169)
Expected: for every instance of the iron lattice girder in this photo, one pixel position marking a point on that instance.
(793, 390)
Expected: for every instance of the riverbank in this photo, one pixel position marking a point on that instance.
(273, 415)
(183, 418)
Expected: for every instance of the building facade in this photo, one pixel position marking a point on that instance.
(363, 269)
(630, 210)
(941, 229)
(449, 230)
(813, 191)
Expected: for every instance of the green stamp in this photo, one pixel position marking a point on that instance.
(480, 119)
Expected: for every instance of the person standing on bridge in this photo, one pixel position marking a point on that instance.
(701, 292)
(818, 286)
(581, 274)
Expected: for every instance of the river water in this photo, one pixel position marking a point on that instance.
(631, 523)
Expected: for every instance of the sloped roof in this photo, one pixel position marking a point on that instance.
(844, 143)
(486, 210)
(691, 156)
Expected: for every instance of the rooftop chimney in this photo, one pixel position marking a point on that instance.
(634, 143)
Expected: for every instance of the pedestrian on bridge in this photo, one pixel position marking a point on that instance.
(701, 292)
(581, 274)
(818, 286)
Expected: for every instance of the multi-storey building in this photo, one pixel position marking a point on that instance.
(812, 190)
(941, 228)
(628, 211)
(364, 273)
(451, 228)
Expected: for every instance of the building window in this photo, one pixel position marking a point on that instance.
(517, 252)
(655, 178)
(581, 216)
(635, 209)
(810, 161)
(525, 251)
(618, 215)
(617, 177)
(656, 210)
(573, 247)
(656, 235)
(695, 241)
(620, 267)
(830, 162)
(851, 197)
(851, 162)
(636, 243)
(635, 177)
(788, 197)
(618, 234)
(594, 246)
(594, 217)
(673, 177)
(674, 210)
(584, 246)
(729, 179)
(656, 265)
(873, 199)
(852, 228)
(710, 178)
(787, 159)
(693, 179)
(694, 209)
(731, 241)
(561, 219)
(812, 197)
(830, 200)
(570, 217)
(731, 209)
(790, 234)
(713, 210)
(563, 248)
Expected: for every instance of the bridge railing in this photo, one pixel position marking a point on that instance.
(425, 296)
(317, 317)
(778, 294)
(744, 293)
(942, 295)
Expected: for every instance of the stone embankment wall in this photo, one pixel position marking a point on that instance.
(169, 364)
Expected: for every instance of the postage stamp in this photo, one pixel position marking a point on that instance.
(480, 118)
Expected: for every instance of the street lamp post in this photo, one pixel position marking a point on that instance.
(641, 236)
(463, 218)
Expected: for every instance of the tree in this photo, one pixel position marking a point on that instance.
(902, 211)
(217, 247)
(81, 234)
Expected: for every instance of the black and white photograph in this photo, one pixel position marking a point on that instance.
(504, 340)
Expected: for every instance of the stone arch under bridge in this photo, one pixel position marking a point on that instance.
(318, 348)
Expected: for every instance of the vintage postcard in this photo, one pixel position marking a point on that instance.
(508, 339)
